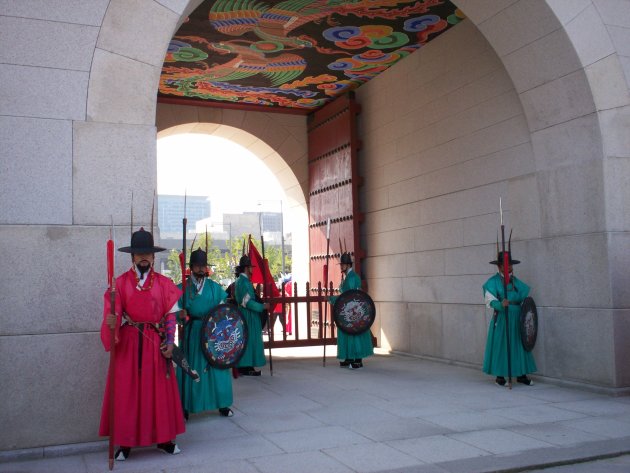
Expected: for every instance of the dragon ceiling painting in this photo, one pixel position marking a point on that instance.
(294, 55)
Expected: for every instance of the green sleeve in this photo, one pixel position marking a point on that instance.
(496, 305)
(255, 306)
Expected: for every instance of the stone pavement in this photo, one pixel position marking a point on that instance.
(398, 414)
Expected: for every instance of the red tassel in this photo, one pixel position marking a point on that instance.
(110, 262)
(506, 267)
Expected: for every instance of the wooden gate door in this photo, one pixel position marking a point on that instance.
(333, 146)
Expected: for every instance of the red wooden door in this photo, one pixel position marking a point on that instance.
(333, 146)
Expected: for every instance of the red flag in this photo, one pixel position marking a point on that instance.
(257, 263)
(260, 265)
(506, 268)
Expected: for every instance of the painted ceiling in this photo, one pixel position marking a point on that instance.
(294, 55)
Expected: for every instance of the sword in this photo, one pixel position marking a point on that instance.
(180, 360)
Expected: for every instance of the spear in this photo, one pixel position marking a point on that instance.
(181, 333)
(506, 280)
(111, 282)
(207, 269)
(326, 285)
(270, 312)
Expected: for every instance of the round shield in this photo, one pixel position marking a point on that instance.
(354, 312)
(528, 323)
(223, 336)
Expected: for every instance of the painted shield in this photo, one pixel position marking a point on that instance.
(354, 312)
(528, 323)
(223, 336)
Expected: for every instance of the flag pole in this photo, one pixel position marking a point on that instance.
(111, 282)
(506, 282)
(182, 327)
(269, 315)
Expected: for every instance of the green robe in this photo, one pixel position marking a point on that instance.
(254, 354)
(495, 358)
(352, 347)
(214, 389)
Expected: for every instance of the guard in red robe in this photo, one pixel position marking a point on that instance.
(147, 407)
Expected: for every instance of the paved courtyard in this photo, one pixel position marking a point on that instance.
(398, 414)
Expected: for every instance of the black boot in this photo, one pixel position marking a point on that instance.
(226, 412)
(169, 447)
(122, 454)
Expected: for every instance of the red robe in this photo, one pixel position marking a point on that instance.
(147, 407)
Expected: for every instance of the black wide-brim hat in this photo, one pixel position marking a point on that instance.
(141, 242)
(499, 259)
(245, 262)
(345, 258)
(198, 257)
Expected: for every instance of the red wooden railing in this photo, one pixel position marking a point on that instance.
(307, 312)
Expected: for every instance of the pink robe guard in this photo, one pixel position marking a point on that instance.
(147, 406)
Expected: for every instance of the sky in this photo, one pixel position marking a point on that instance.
(228, 173)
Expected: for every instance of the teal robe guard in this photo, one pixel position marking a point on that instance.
(254, 354)
(352, 347)
(495, 357)
(214, 389)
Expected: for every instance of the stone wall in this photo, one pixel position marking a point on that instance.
(527, 100)
(496, 109)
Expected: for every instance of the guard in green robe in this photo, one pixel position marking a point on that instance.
(495, 358)
(351, 349)
(214, 389)
(254, 354)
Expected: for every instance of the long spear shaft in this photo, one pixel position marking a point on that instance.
(270, 313)
(326, 286)
(506, 280)
(111, 281)
(182, 335)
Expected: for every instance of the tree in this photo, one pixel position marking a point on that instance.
(272, 253)
(223, 264)
(174, 268)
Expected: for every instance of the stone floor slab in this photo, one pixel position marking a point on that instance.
(368, 458)
(465, 421)
(537, 414)
(436, 449)
(556, 434)
(306, 462)
(397, 429)
(316, 439)
(499, 441)
(607, 427)
(309, 418)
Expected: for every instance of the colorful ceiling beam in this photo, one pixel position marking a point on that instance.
(294, 55)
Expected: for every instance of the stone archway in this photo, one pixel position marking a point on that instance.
(81, 139)
(279, 141)
(527, 74)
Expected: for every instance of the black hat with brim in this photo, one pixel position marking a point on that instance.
(499, 259)
(141, 242)
(245, 262)
(345, 258)
(198, 257)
